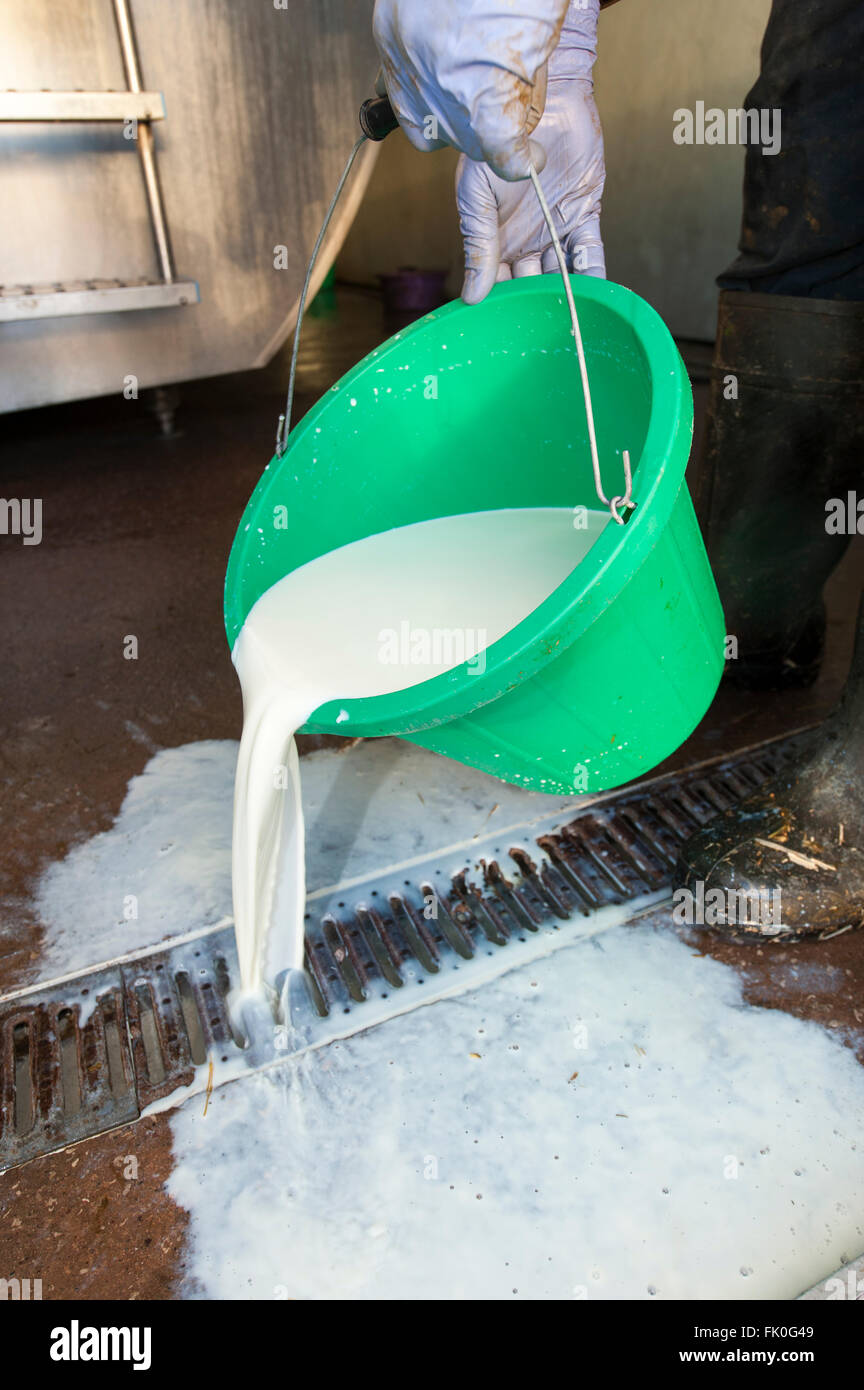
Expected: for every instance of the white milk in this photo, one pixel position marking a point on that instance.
(373, 617)
(608, 1184)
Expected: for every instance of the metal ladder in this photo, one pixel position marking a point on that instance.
(58, 300)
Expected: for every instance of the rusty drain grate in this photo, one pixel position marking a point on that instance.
(85, 1055)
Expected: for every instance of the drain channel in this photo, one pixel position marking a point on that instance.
(89, 1054)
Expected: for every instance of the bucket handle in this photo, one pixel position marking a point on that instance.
(613, 503)
(284, 426)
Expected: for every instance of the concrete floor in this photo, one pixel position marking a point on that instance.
(137, 530)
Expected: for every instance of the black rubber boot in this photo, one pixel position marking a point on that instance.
(784, 438)
(797, 845)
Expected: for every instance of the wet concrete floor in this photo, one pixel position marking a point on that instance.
(137, 530)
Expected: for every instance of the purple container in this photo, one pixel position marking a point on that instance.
(412, 291)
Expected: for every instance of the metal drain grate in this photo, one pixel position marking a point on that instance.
(86, 1055)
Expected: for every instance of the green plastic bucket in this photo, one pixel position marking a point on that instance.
(476, 408)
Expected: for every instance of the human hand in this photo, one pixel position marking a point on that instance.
(469, 73)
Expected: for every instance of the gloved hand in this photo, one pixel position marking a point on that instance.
(463, 73)
(502, 223)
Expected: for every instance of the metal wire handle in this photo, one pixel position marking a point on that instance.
(613, 503)
(283, 429)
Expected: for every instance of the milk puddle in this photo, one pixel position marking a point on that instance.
(610, 1122)
(371, 618)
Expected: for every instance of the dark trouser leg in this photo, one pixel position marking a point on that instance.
(784, 433)
(802, 229)
(792, 333)
(784, 438)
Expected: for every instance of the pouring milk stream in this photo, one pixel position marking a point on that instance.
(373, 617)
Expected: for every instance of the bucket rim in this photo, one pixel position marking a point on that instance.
(585, 594)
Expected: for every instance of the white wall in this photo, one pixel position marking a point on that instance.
(671, 212)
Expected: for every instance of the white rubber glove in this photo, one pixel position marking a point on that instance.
(462, 73)
(502, 224)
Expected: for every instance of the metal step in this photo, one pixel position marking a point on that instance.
(53, 301)
(81, 106)
(22, 302)
(83, 1055)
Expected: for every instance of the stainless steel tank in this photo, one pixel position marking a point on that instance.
(164, 169)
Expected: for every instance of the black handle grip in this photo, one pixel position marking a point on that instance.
(377, 118)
